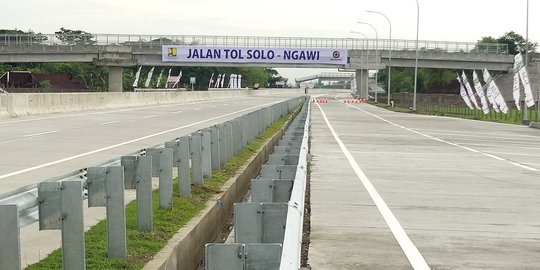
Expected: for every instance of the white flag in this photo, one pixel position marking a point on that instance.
(211, 80)
(239, 84)
(480, 92)
(463, 93)
(230, 85)
(137, 75)
(168, 77)
(147, 83)
(515, 90)
(522, 70)
(469, 90)
(222, 80)
(177, 80)
(159, 78)
(218, 81)
(498, 99)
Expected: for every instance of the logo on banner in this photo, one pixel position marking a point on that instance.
(173, 52)
(336, 54)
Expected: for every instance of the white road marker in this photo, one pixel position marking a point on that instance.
(413, 255)
(196, 109)
(178, 112)
(41, 133)
(149, 116)
(109, 123)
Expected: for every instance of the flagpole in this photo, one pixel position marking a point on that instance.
(525, 109)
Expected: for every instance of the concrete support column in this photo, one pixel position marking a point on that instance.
(362, 76)
(115, 79)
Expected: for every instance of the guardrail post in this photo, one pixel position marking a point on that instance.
(222, 143)
(10, 249)
(106, 188)
(214, 137)
(163, 169)
(196, 162)
(72, 225)
(237, 136)
(184, 179)
(138, 174)
(206, 151)
(229, 138)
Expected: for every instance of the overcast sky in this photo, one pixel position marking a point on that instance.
(457, 20)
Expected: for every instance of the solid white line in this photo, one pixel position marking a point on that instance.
(413, 255)
(127, 142)
(524, 166)
(108, 123)
(41, 133)
(447, 142)
(149, 116)
(178, 112)
(493, 156)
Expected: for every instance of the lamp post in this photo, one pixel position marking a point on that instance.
(376, 53)
(367, 62)
(390, 54)
(416, 58)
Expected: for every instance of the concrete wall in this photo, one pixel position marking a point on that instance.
(23, 104)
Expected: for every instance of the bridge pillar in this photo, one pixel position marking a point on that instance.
(115, 79)
(362, 76)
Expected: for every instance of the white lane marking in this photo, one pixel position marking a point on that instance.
(149, 116)
(493, 156)
(41, 133)
(128, 142)
(444, 141)
(226, 104)
(213, 106)
(196, 109)
(178, 112)
(413, 255)
(524, 166)
(108, 123)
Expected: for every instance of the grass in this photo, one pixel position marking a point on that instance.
(512, 117)
(142, 247)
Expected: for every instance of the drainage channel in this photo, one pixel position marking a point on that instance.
(268, 228)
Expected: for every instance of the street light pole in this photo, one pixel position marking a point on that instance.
(367, 62)
(376, 53)
(416, 58)
(390, 55)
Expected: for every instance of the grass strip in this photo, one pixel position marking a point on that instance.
(142, 247)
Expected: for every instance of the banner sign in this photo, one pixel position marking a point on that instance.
(494, 93)
(523, 75)
(480, 92)
(469, 89)
(206, 54)
(464, 94)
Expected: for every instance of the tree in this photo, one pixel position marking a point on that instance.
(74, 37)
(516, 43)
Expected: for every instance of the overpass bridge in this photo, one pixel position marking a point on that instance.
(327, 76)
(117, 51)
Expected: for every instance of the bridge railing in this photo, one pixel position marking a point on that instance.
(249, 41)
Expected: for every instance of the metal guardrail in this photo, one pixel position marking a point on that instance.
(268, 230)
(20, 207)
(134, 40)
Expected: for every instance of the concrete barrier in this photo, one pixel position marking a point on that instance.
(23, 104)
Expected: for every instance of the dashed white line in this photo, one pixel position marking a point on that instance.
(413, 254)
(178, 112)
(196, 109)
(446, 142)
(109, 123)
(40, 133)
(213, 106)
(150, 116)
